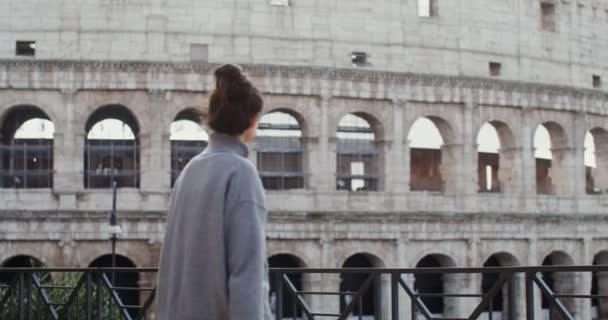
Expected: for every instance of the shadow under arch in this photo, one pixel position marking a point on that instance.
(436, 283)
(121, 279)
(500, 303)
(18, 261)
(370, 302)
(283, 260)
(559, 282)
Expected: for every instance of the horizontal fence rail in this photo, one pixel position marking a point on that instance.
(97, 293)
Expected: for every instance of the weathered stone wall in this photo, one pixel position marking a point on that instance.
(461, 40)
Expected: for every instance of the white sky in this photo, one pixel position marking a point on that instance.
(187, 130)
(423, 134)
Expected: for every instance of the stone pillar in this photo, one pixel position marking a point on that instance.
(582, 282)
(405, 302)
(311, 150)
(468, 176)
(533, 261)
(322, 155)
(565, 283)
(397, 173)
(155, 167)
(68, 156)
(327, 282)
(528, 161)
(312, 282)
(510, 170)
(563, 171)
(451, 168)
(454, 307)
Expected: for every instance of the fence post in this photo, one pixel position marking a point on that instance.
(511, 285)
(395, 295)
(529, 297)
(278, 291)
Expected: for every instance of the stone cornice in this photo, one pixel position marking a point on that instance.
(259, 70)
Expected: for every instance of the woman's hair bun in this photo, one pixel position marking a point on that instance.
(234, 102)
(228, 72)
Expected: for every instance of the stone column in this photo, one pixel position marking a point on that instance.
(68, 156)
(451, 168)
(582, 282)
(533, 261)
(510, 170)
(155, 171)
(327, 282)
(322, 163)
(528, 161)
(454, 307)
(563, 171)
(397, 173)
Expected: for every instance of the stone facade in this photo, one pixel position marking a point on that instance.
(156, 59)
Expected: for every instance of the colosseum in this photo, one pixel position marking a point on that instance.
(405, 133)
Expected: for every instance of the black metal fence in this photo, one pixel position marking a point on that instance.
(91, 293)
(71, 293)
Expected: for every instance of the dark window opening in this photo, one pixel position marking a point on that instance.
(548, 17)
(290, 308)
(352, 282)
(425, 170)
(122, 280)
(487, 171)
(488, 281)
(359, 59)
(430, 283)
(25, 48)
(544, 185)
(597, 82)
(495, 69)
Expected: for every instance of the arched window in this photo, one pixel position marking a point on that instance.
(279, 151)
(596, 161)
(425, 143)
(188, 139)
(358, 156)
(26, 149)
(558, 282)
(289, 305)
(499, 306)
(353, 282)
(128, 281)
(488, 159)
(543, 156)
(111, 149)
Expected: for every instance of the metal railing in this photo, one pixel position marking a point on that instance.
(72, 293)
(89, 293)
(509, 278)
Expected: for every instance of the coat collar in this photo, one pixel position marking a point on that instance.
(220, 142)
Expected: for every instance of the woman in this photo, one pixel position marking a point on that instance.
(213, 260)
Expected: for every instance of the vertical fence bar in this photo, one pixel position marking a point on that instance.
(278, 284)
(21, 296)
(512, 295)
(529, 297)
(30, 296)
(88, 294)
(99, 296)
(395, 296)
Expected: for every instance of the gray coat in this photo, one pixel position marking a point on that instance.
(213, 259)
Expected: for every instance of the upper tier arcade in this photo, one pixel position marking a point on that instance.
(548, 41)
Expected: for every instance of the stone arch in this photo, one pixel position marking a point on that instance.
(112, 159)
(500, 304)
(19, 261)
(502, 163)
(559, 282)
(431, 283)
(45, 109)
(287, 260)
(433, 169)
(359, 155)
(27, 160)
(375, 121)
(370, 302)
(303, 123)
(121, 279)
(552, 175)
(280, 150)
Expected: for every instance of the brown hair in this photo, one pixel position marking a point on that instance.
(234, 102)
